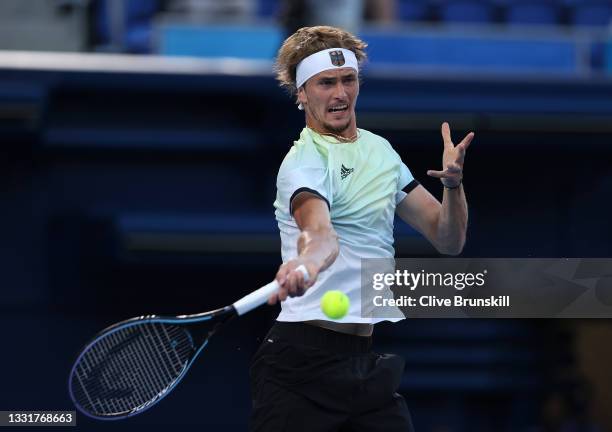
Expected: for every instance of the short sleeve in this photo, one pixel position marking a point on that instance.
(292, 181)
(405, 184)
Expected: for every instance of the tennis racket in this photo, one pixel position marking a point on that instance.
(132, 365)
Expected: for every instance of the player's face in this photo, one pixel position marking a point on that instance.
(329, 101)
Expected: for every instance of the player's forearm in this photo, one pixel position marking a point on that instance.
(452, 223)
(318, 246)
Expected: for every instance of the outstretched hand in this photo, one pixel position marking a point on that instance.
(452, 159)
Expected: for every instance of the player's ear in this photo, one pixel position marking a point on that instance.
(301, 96)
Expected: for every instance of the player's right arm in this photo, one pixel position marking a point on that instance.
(317, 246)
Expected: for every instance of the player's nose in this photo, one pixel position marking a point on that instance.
(340, 91)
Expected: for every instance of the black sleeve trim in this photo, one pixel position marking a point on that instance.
(410, 186)
(305, 189)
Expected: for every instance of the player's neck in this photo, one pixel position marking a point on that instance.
(350, 134)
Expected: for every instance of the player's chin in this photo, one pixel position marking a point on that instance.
(338, 125)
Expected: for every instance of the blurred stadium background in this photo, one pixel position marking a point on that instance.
(141, 140)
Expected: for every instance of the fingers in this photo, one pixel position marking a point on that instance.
(272, 299)
(465, 143)
(448, 142)
(446, 135)
(291, 284)
(462, 147)
(281, 277)
(451, 170)
(295, 284)
(436, 174)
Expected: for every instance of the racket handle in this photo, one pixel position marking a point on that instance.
(260, 296)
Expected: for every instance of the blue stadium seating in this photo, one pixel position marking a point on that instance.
(413, 10)
(592, 13)
(244, 41)
(138, 16)
(466, 11)
(454, 50)
(268, 8)
(532, 12)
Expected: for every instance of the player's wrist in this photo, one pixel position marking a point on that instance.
(312, 265)
(452, 185)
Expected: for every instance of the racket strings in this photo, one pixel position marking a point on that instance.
(125, 359)
(130, 367)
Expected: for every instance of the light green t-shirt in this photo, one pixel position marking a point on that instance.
(362, 183)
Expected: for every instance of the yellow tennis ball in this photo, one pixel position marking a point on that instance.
(335, 304)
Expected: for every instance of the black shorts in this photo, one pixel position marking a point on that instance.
(306, 378)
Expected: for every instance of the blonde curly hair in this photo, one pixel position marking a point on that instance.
(307, 41)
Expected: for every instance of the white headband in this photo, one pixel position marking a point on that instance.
(332, 58)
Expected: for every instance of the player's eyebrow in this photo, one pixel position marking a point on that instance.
(334, 77)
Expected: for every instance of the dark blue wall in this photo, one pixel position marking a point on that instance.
(126, 194)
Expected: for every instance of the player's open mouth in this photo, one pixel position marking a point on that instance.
(338, 108)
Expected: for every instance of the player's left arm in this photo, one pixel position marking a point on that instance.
(443, 224)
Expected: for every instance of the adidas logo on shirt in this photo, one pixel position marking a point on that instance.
(344, 172)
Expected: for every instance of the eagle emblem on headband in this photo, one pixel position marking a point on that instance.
(337, 58)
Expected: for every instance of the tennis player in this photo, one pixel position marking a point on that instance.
(338, 190)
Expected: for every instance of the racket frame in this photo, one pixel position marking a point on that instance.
(199, 341)
(240, 307)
